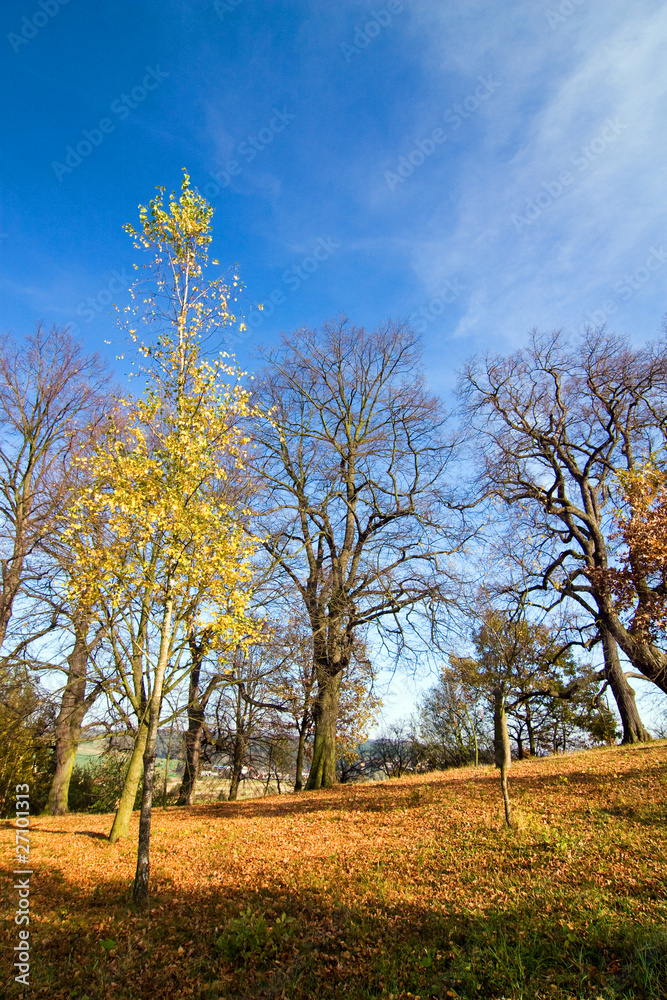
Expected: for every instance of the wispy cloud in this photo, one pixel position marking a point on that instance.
(552, 116)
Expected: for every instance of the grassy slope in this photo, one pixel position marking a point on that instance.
(400, 889)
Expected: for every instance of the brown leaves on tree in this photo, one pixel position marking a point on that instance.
(640, 585)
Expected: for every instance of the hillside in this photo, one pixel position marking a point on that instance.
(398, 889)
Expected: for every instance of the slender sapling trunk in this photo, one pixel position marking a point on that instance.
(502, 751)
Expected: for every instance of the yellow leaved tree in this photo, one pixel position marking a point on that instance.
(158, 534)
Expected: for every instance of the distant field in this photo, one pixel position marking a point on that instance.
(210, 790)
(89, 750)
(401, 889)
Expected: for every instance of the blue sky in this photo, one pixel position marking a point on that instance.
(482, 168)
(539, 203)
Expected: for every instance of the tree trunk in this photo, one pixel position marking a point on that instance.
(166, 768)
(121, 823)
(193, 740)
(11, 570)
(196, 710)
(142, 874)
(301, 746)
(238, 758)
(140, 891)
(501, 747)
(474, 733)
(530, 730)
(633, 729)
(325, 716)
(268, 778)
(644, 656)
(73, 708)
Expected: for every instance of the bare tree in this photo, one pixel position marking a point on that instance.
(51, 395)
(78, 696)
(396, 751)
(244, 715)
(453, 717)
(49, 392)
(298, 688)
(357, 513)
(289, 647)
(556, 421)
(200, 691)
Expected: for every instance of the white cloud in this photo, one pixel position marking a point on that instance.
(552, 115)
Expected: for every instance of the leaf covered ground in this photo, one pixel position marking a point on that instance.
(406, 888)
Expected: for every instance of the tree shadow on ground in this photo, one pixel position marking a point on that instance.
(324, 947)
(94, 834)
